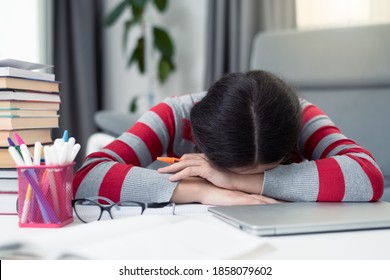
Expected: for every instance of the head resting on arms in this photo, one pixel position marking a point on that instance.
(247, 119)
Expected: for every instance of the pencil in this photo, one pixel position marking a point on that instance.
(169, 160)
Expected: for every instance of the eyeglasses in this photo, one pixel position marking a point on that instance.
(90, 209)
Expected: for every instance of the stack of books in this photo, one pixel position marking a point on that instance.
(29, 105)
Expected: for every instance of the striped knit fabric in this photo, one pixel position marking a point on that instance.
(331, 166)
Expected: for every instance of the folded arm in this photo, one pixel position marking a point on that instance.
(198, 165)
(334, 168)
(197, 189)
(119, 171)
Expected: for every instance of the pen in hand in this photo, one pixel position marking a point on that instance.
(169, 160)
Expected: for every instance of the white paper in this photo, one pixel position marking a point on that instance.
(9, 62)
(170, 237)
(143, 237)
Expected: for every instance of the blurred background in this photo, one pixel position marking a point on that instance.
(206, 38)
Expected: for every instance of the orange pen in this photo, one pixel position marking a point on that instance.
(169, 160)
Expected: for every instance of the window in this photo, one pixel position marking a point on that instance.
(24, 30)
(331, 13)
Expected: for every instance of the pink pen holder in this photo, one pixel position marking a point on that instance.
(45, 195)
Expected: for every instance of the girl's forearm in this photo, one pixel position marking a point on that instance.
(250, 183)
(202, 191)
(189, 190)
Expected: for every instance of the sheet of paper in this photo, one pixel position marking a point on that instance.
(181, 237)
(9, 62)
(141, 237)
(52, 244)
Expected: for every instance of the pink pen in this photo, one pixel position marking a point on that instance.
(18, 139)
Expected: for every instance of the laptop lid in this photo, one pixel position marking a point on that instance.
(305, 217)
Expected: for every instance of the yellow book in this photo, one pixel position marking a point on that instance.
(6, 160)
(29, 96)
(7, 123)
(12, 113)
(27, 84)
(26, 105)
(29, 136)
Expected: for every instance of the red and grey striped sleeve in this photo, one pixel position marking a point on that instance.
(335, 167)
(119, 171)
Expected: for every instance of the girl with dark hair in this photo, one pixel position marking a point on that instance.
(248, 140)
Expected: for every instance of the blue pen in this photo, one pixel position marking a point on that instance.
(12, 144)
(65, 136)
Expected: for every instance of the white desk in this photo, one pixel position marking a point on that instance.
(190, 237)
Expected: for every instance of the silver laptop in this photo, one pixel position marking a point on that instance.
(305, 217)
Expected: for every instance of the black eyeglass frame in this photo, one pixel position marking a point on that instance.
(94, 200)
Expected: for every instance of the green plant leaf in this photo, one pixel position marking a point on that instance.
(137, 12)
(163, 42)
(165, 67)
(115, 13)
(138, 55)
(127, 26)
(139, 3)
(161, 5)
(133, 108)
(133, 58)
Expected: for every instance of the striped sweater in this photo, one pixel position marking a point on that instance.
(330, 167)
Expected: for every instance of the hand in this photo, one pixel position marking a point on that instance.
(198, 165)
(202, 191)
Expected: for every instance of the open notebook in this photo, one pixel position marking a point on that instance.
(301, 217)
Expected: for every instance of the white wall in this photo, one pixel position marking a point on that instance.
(186, 22)
(19, 29)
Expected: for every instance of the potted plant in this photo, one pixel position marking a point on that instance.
(152, 37)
